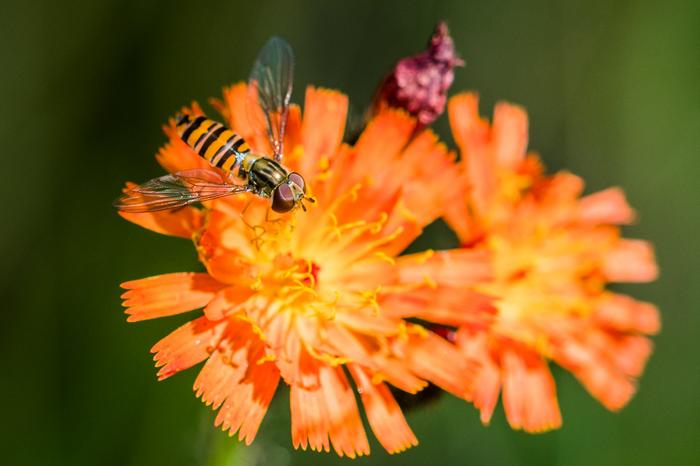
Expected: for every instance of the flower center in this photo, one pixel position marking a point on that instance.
(539, 274)
(312, 278)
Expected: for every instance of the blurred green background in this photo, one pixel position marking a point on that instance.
(612, 92)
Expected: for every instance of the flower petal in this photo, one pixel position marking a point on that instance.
(177, 156)
(460, 219)
(509, 135)
(182, 222)
(607, 206)
(379, 146)
(248, 401)
(487, 385)
(190, 344)
(631, 261)
(284, 343)
(428, 175)
(473, 135)
(631, 353)
(226, 300)
(322, 128)
(383, 413)
(529, 393)
(398, 373)
(169, 294)
(293, 140)
(238, 379)
(456, 267)
(363, 350)
(368, 322)
(591, 359)
(414, 192)
(437, 361)
(325, 409)
(244, 116)
(347, 343)
(445, 305)
(309, 418)
(624, 314)
(559, 191)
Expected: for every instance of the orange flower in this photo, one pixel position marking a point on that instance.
(552, 254)
(300, 297)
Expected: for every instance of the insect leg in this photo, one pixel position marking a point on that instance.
(245, 208)
(258, 230)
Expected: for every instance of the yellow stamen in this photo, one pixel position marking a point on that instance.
(406, 213)
(266, 358)
(370, 246)
(297, 153)
(385, 257)
(350, 194)
(331, 360)
(430, 281)
(357, 228)
(542, 346)
(257, 284)
(254, 326)
(423, 257)
(369, 297)
(327, 309)
(323, 163)
(407, 329)
(379, 224)
(324, 175)
(339, 229)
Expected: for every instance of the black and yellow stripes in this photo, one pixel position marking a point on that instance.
(213, 141)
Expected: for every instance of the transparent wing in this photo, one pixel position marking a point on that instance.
(270, 84)
(177, 190)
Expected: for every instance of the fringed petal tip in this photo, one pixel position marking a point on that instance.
(614, 394)
(631, 261)
(465, 121)
(606, 207)
(455, 267)
(221, 104)
(383, 413)
(473, 344)
(607, 365)
(324, 411)
(181, 223)
(438, 361)
(237, 382)
(510, 135)
(169, 294)
(529, 393)
(322, 128)
(625, 314)
(186, 346)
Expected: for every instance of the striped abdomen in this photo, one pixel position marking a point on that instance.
(213, 141)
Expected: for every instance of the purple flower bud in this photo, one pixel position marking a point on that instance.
(419, 84)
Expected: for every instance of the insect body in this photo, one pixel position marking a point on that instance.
(226, 150)
(220, 146)
(241, 170)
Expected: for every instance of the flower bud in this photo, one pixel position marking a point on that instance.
(419, 84)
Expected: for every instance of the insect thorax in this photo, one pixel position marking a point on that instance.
(265, 175)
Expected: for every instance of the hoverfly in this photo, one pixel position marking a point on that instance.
(270, 83)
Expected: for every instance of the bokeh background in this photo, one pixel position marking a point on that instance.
(612, 92)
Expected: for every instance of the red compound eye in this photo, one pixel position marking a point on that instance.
(282, 198)
(298, 180)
